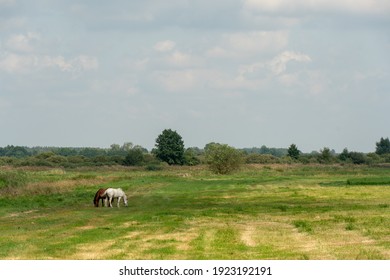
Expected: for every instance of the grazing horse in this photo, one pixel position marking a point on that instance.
(111, 193)
(99, 195)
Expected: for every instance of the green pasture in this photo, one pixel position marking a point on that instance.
(262, 212)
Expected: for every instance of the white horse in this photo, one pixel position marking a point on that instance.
(111, 193)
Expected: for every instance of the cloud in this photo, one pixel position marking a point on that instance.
(77, 64)
(14, 63)
(23, 63)
(177, 81)
(278, 65)
(165, 46)
(298, 6)
(181, 59)
(22, 42)
(249, 43)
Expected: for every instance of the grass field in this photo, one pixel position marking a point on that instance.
(262, 212)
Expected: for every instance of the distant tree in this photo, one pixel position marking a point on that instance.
(127, 146)
(325, 155)
(358, 158)
(383, 146)
(293, 151)
(134, 157)
(115, 147)
(344, 156)
(15, 151)
(223, 159)
(170, 147)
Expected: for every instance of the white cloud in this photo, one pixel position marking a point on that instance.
(17, 63)
(77, 64)
(84, 62)
(165, 46)
(299, 6)
(289, 79)
(14, 63)
(278, 65)
(176, 81)
(249, 43)
(181, 59)
(22, 42)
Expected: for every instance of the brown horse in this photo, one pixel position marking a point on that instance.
(99, 195)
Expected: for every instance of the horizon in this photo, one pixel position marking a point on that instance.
(201, 148)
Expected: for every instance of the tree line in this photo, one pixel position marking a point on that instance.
(170, 149)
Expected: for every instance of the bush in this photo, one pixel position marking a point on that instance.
(261, 159)
(11, 181)
(358, 158)
(223, 159)
(134, 157)
(190, 158)
(355, 157)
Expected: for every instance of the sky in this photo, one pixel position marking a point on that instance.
(245, 73)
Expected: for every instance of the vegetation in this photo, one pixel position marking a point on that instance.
(170, 150)
(134, 157)
(383, 146)
(223, 159)
(293, 151)
(170, 147)
(260, 212)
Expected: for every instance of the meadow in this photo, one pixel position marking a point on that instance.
(272, 211)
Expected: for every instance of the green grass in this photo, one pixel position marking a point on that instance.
(370, 181)
(261, 212)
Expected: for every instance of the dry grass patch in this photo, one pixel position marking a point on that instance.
(96, 251)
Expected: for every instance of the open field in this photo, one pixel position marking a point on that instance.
(261, 212)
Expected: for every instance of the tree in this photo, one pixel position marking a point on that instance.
(325, 155)
(383, 146)
(134, 157)
(293, 151)
(345, 155)
(223, 159)
(170, 147)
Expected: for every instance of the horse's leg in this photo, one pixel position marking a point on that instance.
(119, 199)
(110, 199)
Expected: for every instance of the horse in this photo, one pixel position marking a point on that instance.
(111, 193)
(99, 195)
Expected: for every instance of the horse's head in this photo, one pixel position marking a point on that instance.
(125, 200)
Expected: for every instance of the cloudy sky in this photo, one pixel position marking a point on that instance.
(241, 72)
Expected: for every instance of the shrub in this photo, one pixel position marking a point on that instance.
(190, 157)
(11, 181)
(134, 157)
(261, 159)
(223, 159)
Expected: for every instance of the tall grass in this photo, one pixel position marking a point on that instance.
(11, 181)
